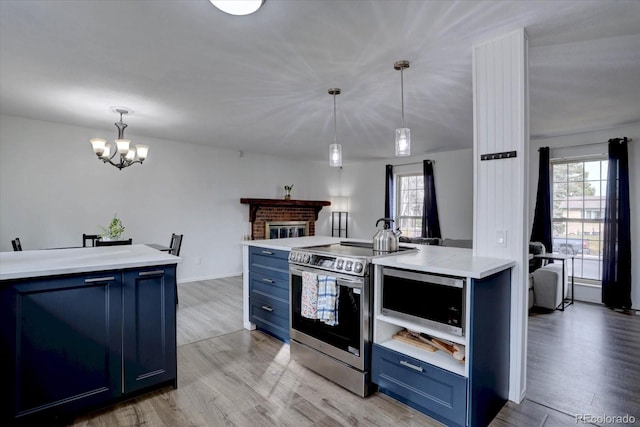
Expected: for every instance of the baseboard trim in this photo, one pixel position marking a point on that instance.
(217, 276)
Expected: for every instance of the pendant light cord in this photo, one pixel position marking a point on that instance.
(402, 94)
(335, 126)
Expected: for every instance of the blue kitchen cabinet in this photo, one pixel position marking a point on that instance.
(84, 341)
(451, 393)
(149, 335)
(269, 291)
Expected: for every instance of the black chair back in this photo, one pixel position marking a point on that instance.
(17, 246)
(89, 237)
(113, 242)
(176, 244)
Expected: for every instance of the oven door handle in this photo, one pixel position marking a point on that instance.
(340, 280)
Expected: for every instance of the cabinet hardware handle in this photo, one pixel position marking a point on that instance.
(264, 279)
(150, 273)
(412, 366)
(266, 307)
(100, 279)
(267, 252)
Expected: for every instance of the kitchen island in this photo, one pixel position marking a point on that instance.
(467, 393)
(85, 328)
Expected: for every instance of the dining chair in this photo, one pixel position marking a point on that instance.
(101, 242)
(89, 237)
(176, 244)
(17, 246)
(174, 249)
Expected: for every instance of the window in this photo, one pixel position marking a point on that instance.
(578, 202)
(409, 204)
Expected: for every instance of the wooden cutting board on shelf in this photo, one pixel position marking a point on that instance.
(408, 338)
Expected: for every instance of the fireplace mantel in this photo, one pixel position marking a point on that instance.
(255, 204)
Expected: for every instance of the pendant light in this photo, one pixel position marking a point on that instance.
(335, 149)
(403, 134)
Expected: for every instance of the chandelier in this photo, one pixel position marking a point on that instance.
(128, 155)
(335, 149)
(403, 134)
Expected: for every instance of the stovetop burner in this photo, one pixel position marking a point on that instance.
(344, 257)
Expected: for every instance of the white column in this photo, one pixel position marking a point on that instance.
(500, 204)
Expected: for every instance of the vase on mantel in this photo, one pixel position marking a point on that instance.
(287, 191)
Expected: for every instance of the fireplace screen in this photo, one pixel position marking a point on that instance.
(283, 229)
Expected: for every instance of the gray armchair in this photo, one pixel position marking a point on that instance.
(545, 280)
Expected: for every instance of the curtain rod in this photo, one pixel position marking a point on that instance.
(590, 143)
(413, 163)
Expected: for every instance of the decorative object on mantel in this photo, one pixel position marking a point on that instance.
(287, 191)
(114, 230)
(238, 7)
(403, 134)
(335, 149)
(128, 155)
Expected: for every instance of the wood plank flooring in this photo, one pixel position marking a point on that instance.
(585, 359)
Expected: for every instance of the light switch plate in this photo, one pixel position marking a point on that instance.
(501, 238)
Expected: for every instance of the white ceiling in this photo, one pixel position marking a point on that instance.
(259, 83)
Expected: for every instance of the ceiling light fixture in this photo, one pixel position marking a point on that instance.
(403, 134)
(128, 155)
(335, 149)
(238, 7)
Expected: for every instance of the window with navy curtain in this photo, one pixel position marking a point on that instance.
(388, 192)
(541, 231)
(616, 259)
(430, 218)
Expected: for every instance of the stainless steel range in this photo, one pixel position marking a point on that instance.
(340, 352)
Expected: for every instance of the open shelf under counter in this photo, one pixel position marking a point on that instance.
(419, 328)
(437, 358)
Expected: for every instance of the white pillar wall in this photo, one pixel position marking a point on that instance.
(501, 124)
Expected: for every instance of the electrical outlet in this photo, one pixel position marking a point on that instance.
(501, 238)
(198, 260)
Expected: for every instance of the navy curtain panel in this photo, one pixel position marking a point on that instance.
(388, 192)
(616, 259)
(430, 218)
(541, 231)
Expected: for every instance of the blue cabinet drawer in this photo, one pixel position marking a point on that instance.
(269, 314)
(269, 285)
(271, 262)
(434, 391)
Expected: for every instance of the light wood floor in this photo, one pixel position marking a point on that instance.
(228, 376)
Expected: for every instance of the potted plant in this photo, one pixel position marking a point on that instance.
(114, 230)
(287, 191)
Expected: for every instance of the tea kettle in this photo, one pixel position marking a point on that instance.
(386, 240)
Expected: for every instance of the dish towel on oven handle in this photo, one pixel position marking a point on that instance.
(309, 302)
(327, 300)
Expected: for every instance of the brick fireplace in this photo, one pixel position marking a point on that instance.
(262, 211)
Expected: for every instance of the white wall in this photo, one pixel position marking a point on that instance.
(575, 146)
(364, 184)
(53, 189)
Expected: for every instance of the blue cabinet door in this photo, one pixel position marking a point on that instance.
(149, 341)
(63, 339)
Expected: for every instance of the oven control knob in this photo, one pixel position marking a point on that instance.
(299, 257)
(340, 264)
(357, 268)
(348, 266)
(306, 258)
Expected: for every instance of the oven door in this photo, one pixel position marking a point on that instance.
(345, 341)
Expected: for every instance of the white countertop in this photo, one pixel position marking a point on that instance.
(446, 260)
(293, 242)
(25, 264)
